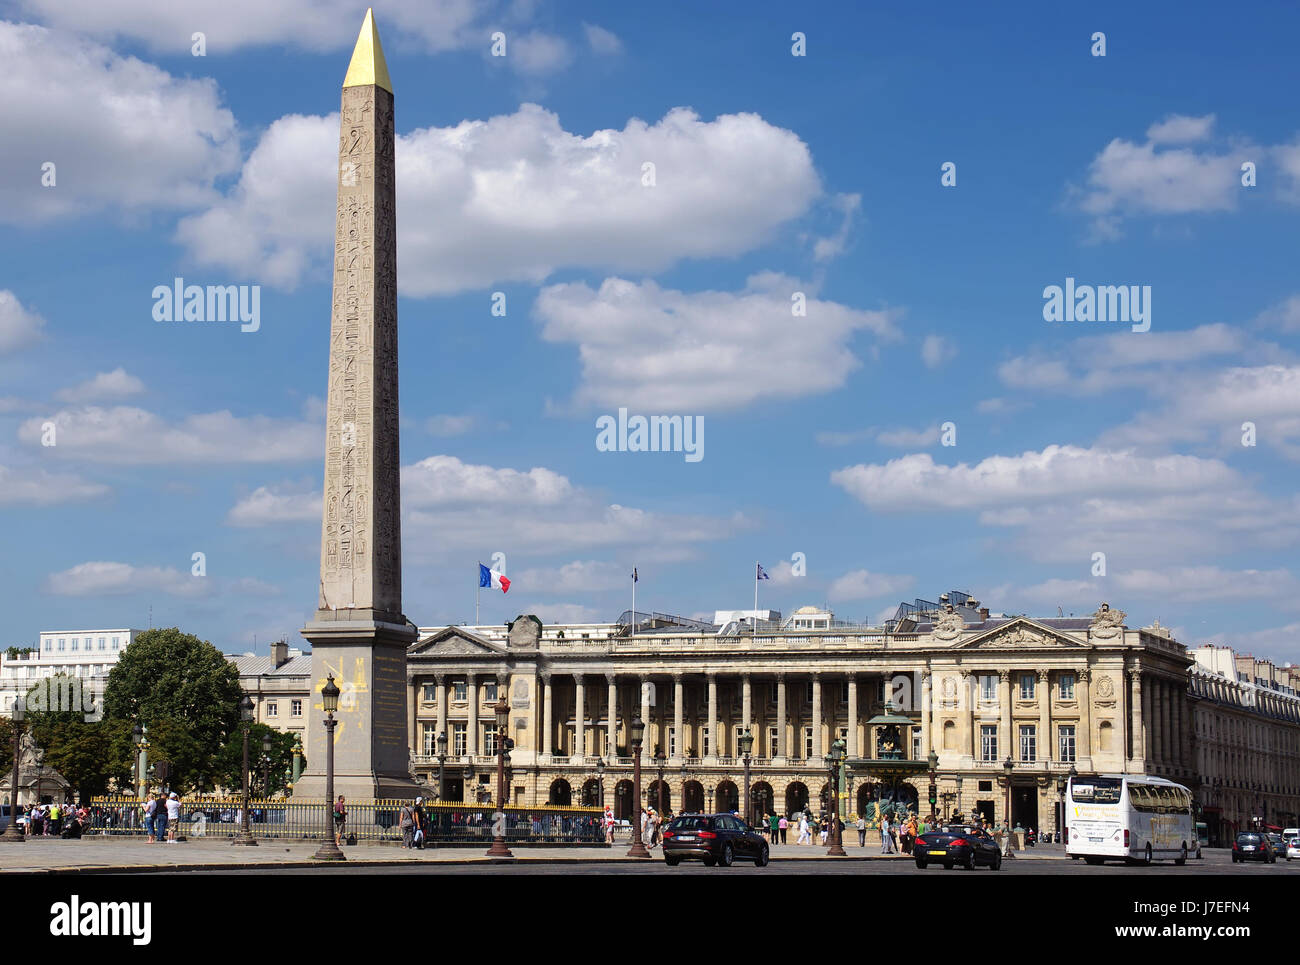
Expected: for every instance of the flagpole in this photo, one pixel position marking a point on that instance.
(633, 633)
(477, 584)
(755, 598)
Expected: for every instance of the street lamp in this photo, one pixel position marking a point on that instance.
(329, 850)
(600, 774)
(638, 845)
(661, 760)
(682, 774)
(297, 760)
(957, 803)
(1008, 765)
(499, 849)
(442, 765)
(245, 836)
(934, 796)
(710, 793)
(746, 743)
(468, 771)
(13, 833)
(266, 764)
(833, 760)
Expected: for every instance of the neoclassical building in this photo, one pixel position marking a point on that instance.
(1091, 693)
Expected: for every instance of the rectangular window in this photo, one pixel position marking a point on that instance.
(672, 741)
(489, 692)
(489, 743)
(740, 732)
(73, 648)
(772, 741)
(296, 708)
(430, 693)
(430, 741)
(1028, 742)
(458, 690)
(988, 742)
(272, 709)
(115, 642)
(60, 644)
(1066, 735)
(458, 743)
(101, 643)
(988, 687)
(916, 747)
(807, 692)
(704, 742)
(1027, 686)
(808, 743)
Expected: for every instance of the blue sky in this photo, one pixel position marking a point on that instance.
(774, 174)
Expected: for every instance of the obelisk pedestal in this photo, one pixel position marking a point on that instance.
(360, 634)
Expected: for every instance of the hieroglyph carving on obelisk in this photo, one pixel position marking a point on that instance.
(361, 542)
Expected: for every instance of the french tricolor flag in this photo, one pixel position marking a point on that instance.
(491, 578)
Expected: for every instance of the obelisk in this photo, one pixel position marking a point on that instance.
(360, 634)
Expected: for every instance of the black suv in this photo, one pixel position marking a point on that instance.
(713, 839)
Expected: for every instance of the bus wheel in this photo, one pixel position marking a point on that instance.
(1182, 858)
(1147, 859)
(1092, 859)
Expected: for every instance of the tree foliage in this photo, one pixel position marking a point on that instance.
(230, 762)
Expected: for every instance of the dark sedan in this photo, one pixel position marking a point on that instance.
(957, 845)
(1253, 846)
(714, 839)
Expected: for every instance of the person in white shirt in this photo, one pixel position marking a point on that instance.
(804, 836)
(173, 816)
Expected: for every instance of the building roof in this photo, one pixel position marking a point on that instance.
(264, 666)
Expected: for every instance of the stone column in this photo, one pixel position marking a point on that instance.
(1083, 747)
(647, 746)
(412, 704)
(1138, 758)
(1006, 740)
(853, 717)
(818, 751)
(712, 756)
(548, 721)
(679, 716)
(746, 705)
(611, 721)
(970, 696)
(1046, 750)
(780, 752)
(927, 712)
(579, 718)
(443, 694)
(471, 728)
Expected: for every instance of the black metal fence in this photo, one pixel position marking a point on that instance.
(289, 819)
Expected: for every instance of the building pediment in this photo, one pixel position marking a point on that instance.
(455, 642)
(1021, 634)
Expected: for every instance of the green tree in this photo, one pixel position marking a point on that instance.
(79, 749)
(6, 747)
(184, 691)
(230, 762)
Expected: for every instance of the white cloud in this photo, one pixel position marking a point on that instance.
(1155, 588)
(578, 576)
(909, 438)
(832, 246)
(128, 435)
(115, 579)
(602, 41)
(828, 438)
(19, 327)
(1284, 316)
(449, 425)
(516, 198)
(865, 585)
(536, 52)
(561, 613)
(781, 573)
(28, 486)
(117, 384)
(121, 133)
(647, 347)
(445, 480)
(1180, 129)
(936, 350)
(267, 505)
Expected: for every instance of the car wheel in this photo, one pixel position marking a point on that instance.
(920, 864)
(1272, 859)
(763, 858)
(1092, 859)
(672, 862)
(1147, 857)
(728, 856)
(997, 863)
(1235, 859)
(1182, 858)
(970, 862)
(710, 862)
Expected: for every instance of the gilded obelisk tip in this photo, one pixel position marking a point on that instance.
(368, 65)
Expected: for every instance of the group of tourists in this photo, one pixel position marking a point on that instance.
(162, 813)
(54, 820)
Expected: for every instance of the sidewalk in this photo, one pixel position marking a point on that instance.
(117, 855)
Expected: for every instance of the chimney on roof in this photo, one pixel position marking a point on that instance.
(279, 653)
(984, 613)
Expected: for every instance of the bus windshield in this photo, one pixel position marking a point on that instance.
(1096, 790)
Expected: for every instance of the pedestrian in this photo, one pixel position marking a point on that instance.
(607, 821)
(160, 818)
(340, 817)
(421, 824)
(173, 816)
(774, 827)
(407, 822)
(804, 836)
(150, 808)
(862, 831)
(783, 826)
(886, 839)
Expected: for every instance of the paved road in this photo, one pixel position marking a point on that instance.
(1213, 864)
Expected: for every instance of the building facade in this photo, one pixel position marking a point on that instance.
(280, 687)
(85, 654)
(1047, 693)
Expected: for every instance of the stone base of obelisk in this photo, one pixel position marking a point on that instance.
(372, 758)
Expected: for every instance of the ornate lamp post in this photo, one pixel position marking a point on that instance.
(833, 761)
(638, 846)
(329, 851)
(297, 759)
(245, 835)
(442, 765)
(682, 774)
(600, 776)
(957, 801)
(266, 765)
(746, 743)
(499, 849)
(661, 760)
(934, 796)
(1008, 765)
(140, 734)
(13, 833)
(710, 793)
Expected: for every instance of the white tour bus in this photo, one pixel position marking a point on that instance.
(1128, 816)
